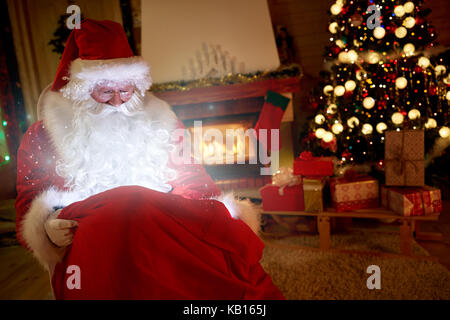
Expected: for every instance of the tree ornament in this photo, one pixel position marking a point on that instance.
(431, 123)
(328, 89)
(414, 114)
(319, 119)
(397, 118)
(381, 126)
(408, 7)
(444, 132)
(320, 132)
(424, 62)
(353, 122)
(335, 9)
(327, 136)
(368, 102)
(399, 11)
(350, 85)
(432, 90)
(367, 128)
(379, 32)
(335, 50)
(409, 49)
(409, 22)
(339, 91)
(440, 69)
(333, 27)
(400, 32)
(401, 82)
(337, 128)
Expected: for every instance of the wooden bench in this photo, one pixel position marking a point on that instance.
(408, 229)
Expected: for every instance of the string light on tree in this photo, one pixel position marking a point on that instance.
(423, 62)
(335, 9)
(409, 22)
(353, 122)
(333, 28)
(399, 11)
(320, 132)
(352, 56)
(337, 128)
(339, 91)
(350, 85)
(440, 70)
(408, 7)
(327, 136)
(379, 32)
(328, 89)
(373, 57)
(409, 49)
(332, 109)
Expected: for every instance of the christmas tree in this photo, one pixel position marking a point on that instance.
(384, 71)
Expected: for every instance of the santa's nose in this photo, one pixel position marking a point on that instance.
(116, 100)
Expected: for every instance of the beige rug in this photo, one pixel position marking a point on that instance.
(303, 273)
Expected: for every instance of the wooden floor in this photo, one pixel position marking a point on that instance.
(22, 278)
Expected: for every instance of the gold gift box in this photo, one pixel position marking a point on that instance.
(313, 195)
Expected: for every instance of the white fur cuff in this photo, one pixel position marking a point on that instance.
(33, 230)
(244, 210)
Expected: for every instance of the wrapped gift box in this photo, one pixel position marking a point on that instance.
(404, 158)
(309, 166)
(313, 195)
(354, 193)
(276, 198)
(411, 201)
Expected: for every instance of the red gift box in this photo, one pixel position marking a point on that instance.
(412, 201)
(309, 166)
(275, 198)
(352, 193)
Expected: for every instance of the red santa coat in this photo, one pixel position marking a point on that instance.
(133, 242)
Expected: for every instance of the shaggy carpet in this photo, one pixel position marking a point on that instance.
(302, 272)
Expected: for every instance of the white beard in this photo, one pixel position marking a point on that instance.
(111, 146)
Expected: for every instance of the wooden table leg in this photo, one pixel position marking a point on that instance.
(428, 236)
(324, 232)
(406, 238)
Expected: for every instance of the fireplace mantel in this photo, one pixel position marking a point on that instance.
(229, 92)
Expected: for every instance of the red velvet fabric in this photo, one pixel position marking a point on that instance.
(136, 243)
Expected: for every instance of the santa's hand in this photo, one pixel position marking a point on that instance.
(59, 230)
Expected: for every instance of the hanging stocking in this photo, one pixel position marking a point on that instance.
(270, 118)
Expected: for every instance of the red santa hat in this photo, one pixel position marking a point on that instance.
(98, 51)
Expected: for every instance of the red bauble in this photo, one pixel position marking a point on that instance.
(382, 103)
(418, 69)
(348, 94)
(335, 50)
(432, 90)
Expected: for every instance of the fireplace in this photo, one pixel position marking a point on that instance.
(232, 108)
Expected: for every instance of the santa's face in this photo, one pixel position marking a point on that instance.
(114, 93)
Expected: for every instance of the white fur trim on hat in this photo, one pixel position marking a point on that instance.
(85, 74)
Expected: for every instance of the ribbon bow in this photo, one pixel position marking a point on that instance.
(285, 177)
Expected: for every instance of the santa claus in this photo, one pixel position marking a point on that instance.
(99, 193)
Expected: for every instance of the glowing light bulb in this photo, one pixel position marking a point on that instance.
(409, 49)
(368, 102)
(448, 95)
(352, 56)
(333, 27)
(353, 122)
(328, 89)
(400, 32)
(373, 57)
(327, 136)
(424, 62)
(399, 11)
(379, 32)
(440, 69)
(335, 9)
(431, 123)
(319, 119)
(401, 82)
(320, 132)
(414, 114)
(381, 127)
(444, 132)
(340, 43)
(408, 7)
(350, 85)
(339, 91)
(332, 109)
(366, 128)
(397, 118)
(409, 22)
(337, 128)
(343, 57)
